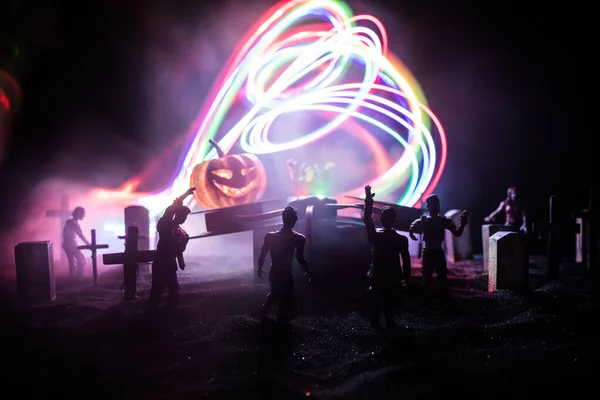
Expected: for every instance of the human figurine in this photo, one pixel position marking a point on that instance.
(169, 252)
(292, 167)
(308, 178)
(514, 212)
(433, 228)
(281, 246)
(386, 272)
(70, 232)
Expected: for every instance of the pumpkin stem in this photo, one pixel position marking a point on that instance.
(220, 151)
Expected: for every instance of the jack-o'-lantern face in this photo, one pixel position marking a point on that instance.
(229, 181)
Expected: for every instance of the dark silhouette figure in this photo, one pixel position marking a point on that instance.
(433, 228)
(386, 273)
(281, 245)
(514, 212)
(70, 232)
(169, 252)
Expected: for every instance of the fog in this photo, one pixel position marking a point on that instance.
(168, 59)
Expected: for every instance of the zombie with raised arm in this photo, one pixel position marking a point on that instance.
(72, 231)
(386, 274)
(433, 228)
(172, 243)
(513, 210)
(282, 246)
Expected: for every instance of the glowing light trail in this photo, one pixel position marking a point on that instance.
(290, 64)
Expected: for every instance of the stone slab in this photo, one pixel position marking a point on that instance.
(457, 248)
(508, 266)
(486, 232)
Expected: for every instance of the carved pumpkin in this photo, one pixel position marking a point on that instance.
(229, 180)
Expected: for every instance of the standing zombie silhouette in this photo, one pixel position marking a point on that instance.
(169, 252)
(70, 232)
(433, 228)
(386, 273)
(281, 245)
(514, 212)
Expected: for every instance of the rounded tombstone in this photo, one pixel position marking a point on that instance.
(140, 217)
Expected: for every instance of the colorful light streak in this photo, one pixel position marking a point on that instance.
(10, 91)
(10, 102)
(289, 64)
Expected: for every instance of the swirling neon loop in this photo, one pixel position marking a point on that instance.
(292, 64)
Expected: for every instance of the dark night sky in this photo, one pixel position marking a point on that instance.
(494, 75)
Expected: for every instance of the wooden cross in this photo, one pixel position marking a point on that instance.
(145, 270)
(64, 213)
(130, 260)
(94, 247)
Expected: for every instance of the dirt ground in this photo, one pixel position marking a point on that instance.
(89, 344)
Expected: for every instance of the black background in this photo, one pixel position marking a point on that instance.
(507, 83)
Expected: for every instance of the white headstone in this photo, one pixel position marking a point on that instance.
(414, 246)
(34, 263)
(486, 233)
(457, 248)
(508, 266)
(579, 239)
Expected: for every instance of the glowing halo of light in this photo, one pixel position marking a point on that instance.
(12, 90)
(11, 97)
(288, 47)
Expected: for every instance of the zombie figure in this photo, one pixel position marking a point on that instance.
(433, 228)
(386, 274)
(70, 232)
(169, 252)
(292, 167)
(281, 245)
(513, 210)
(309, 178)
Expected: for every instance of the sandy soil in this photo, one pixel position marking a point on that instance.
(89, 344)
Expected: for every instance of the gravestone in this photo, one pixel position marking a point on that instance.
(63, 214)
(508, 266)
(35, 272)
(581, 240)
(582, 237)
(487, 231)
(414, 246)
(93, 246)
(457, 248)
(139, 216)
